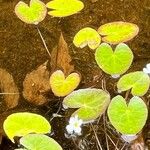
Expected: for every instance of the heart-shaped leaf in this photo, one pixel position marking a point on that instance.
(21, 124)
(127, 118)
(62, 86)
(117, 32)
(32, 14)
(91, 103)
(114, 62)
(63, 8)
(39, 142)
(87, 36)
(138, 82)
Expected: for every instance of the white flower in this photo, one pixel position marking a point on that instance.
(147, 69)
(74, 126)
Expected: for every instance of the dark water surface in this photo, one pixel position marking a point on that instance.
(21, 51)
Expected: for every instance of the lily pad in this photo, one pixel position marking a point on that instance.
(87, 36)
(32, 14)
(138, 82)
(118, 32)
(39, 142)
(114, 62)
(91, 103)
(63, 8)
(21, 124)
(127, 118)
(62, 86)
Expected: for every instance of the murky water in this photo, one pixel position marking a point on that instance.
(21, 51)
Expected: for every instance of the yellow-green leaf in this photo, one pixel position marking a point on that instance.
(63, 8)
(114, 62)
(21, 124)
(90, 103)
(117, 32)
(39, 142)
(33, 13)
(138, 82)
(87, 36)
(62, 86)
(129, 118)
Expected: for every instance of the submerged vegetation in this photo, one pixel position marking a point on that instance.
(127, 114)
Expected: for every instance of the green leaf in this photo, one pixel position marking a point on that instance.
(114, 62)
(39, 142)
(127, 118)
(21, 124)
(32, 14)
(62, 86)
(91, 103)
(87, 36)
(138, 82)
(63, 8)
(118, 32)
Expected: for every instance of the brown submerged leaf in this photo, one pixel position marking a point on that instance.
(9, 89)
(36, 84)
(60, 57)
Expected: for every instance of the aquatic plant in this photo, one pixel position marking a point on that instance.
(32, 14)
(87, 36)
(62, 86)
(129, 118)
(114, 62)
(23, 123)
(63, 8)
(118, 32)
(90, 103)
(138, 82)
(39, 142)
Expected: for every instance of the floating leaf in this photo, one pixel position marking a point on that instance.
(39, 142)
(36, 84)
(127, 118)
(117, 32)
(91, 103)
(63, 8)
(32, 14)
(138, 82)
(87, 36)
(21, 124)
(9, 89)
(114, 62)
(62, 86)
(60, 57)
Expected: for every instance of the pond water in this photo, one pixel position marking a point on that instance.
(22, 51)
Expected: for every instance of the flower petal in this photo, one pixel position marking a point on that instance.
(148, 66)
(69, 129)
(77, 130)
(145, 70)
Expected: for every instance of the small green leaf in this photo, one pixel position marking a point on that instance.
(118, 32)
(114, 62)
(87, 36)
(21, 124)
(39, 142)
(138, 82)
(62, 86)
(63, 8)
(127, 119)
(91, 103)
(32, 14)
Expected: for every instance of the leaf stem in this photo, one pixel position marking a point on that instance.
(44, 43)
(98, 142)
